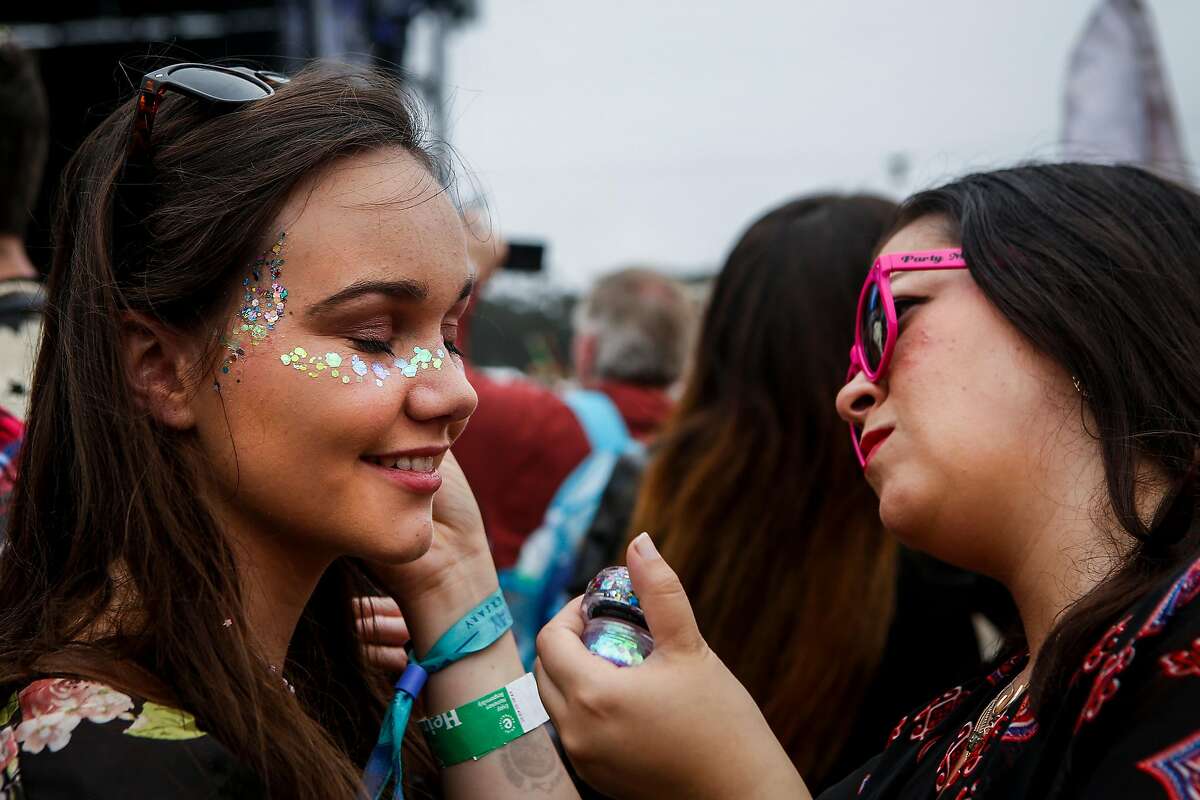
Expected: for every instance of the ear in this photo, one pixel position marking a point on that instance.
(157, 362)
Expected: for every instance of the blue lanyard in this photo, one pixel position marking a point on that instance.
(476, 631)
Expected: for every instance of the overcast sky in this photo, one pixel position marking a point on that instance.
(653, 132)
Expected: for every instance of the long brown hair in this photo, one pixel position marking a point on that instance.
(753, 494)
(105, 521)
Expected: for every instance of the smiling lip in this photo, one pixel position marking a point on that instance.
(872, 441)
(414, 470)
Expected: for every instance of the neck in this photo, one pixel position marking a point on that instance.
(278, 578)
(1063, 552)
(14, 261)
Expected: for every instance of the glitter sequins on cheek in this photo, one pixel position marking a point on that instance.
(353, 369)
(262, 305)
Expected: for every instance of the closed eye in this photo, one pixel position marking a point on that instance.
(373, 346)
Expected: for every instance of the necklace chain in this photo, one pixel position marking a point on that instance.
(228, 623)
(992, 711)
(286, 683)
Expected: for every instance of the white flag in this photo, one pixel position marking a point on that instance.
(1118, 106)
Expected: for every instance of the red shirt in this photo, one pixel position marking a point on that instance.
(522, 443)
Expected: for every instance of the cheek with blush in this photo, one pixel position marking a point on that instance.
(911, 356)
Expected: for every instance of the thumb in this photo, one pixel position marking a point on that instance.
(661, 596)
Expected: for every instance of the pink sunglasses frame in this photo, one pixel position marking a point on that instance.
(880, 275)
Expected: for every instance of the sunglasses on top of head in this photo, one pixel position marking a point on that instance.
(208, 82)
(221, 86)
(876, 325)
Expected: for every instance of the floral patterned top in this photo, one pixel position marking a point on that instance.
(1127, 725)
(70, 738)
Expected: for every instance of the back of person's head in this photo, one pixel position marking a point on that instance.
(108, 522)
(753, 492)
(636, 327)
(24, 137)
(1098, 267)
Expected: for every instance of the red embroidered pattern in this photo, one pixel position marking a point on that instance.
(1023, 725)
(1182, 663)
(1107, 643)
(925, 748)
(1177, 769)
(1106, 684)
(1007, 669)
(967, 791)
(1182, 592)
(942, 777)
(899, 729)
(933, 714)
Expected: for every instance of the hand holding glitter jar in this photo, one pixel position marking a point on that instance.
(680, 725)
(615, 627)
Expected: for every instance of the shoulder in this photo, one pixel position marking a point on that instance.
(1150, 643)
(65, 737)
(516, 408)
(644, 408)
(503, 391)
(520, 422)
(1135, 724)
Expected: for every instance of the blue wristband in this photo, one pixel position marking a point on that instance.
(479, 629)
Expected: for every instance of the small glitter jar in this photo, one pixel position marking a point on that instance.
(616, 627)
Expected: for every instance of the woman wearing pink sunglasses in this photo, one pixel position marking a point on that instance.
(1025, 401)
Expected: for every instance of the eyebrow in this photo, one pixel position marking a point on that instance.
(407, 290)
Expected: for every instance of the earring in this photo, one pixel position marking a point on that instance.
(1078, 384)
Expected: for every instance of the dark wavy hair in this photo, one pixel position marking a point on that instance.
(753, 493)
(1099, 268)
(113, 567)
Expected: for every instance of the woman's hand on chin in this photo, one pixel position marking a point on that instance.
(678, 725)
(457, 571)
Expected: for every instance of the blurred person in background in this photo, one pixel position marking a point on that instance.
(24, 137)
(632, 333)
(755, 498)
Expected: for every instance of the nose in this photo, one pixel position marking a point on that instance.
(443, 395)
(857, 398)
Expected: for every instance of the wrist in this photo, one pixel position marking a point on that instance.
(436, 606)
(473, 676)
(764, 772)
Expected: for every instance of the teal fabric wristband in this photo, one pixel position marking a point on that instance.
(481, 627)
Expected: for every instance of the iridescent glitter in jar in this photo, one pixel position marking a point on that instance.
(616, 627)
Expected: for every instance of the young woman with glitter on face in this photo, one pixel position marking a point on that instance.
(1031, 410)
(245, 391)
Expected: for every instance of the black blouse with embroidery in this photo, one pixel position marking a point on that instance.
(1128, 726)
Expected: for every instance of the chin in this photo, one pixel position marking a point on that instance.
(903, 511)
(403, 545)
(929, 523)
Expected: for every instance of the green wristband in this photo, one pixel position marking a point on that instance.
(473, 730)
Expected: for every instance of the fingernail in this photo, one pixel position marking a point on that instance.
(645, 547)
